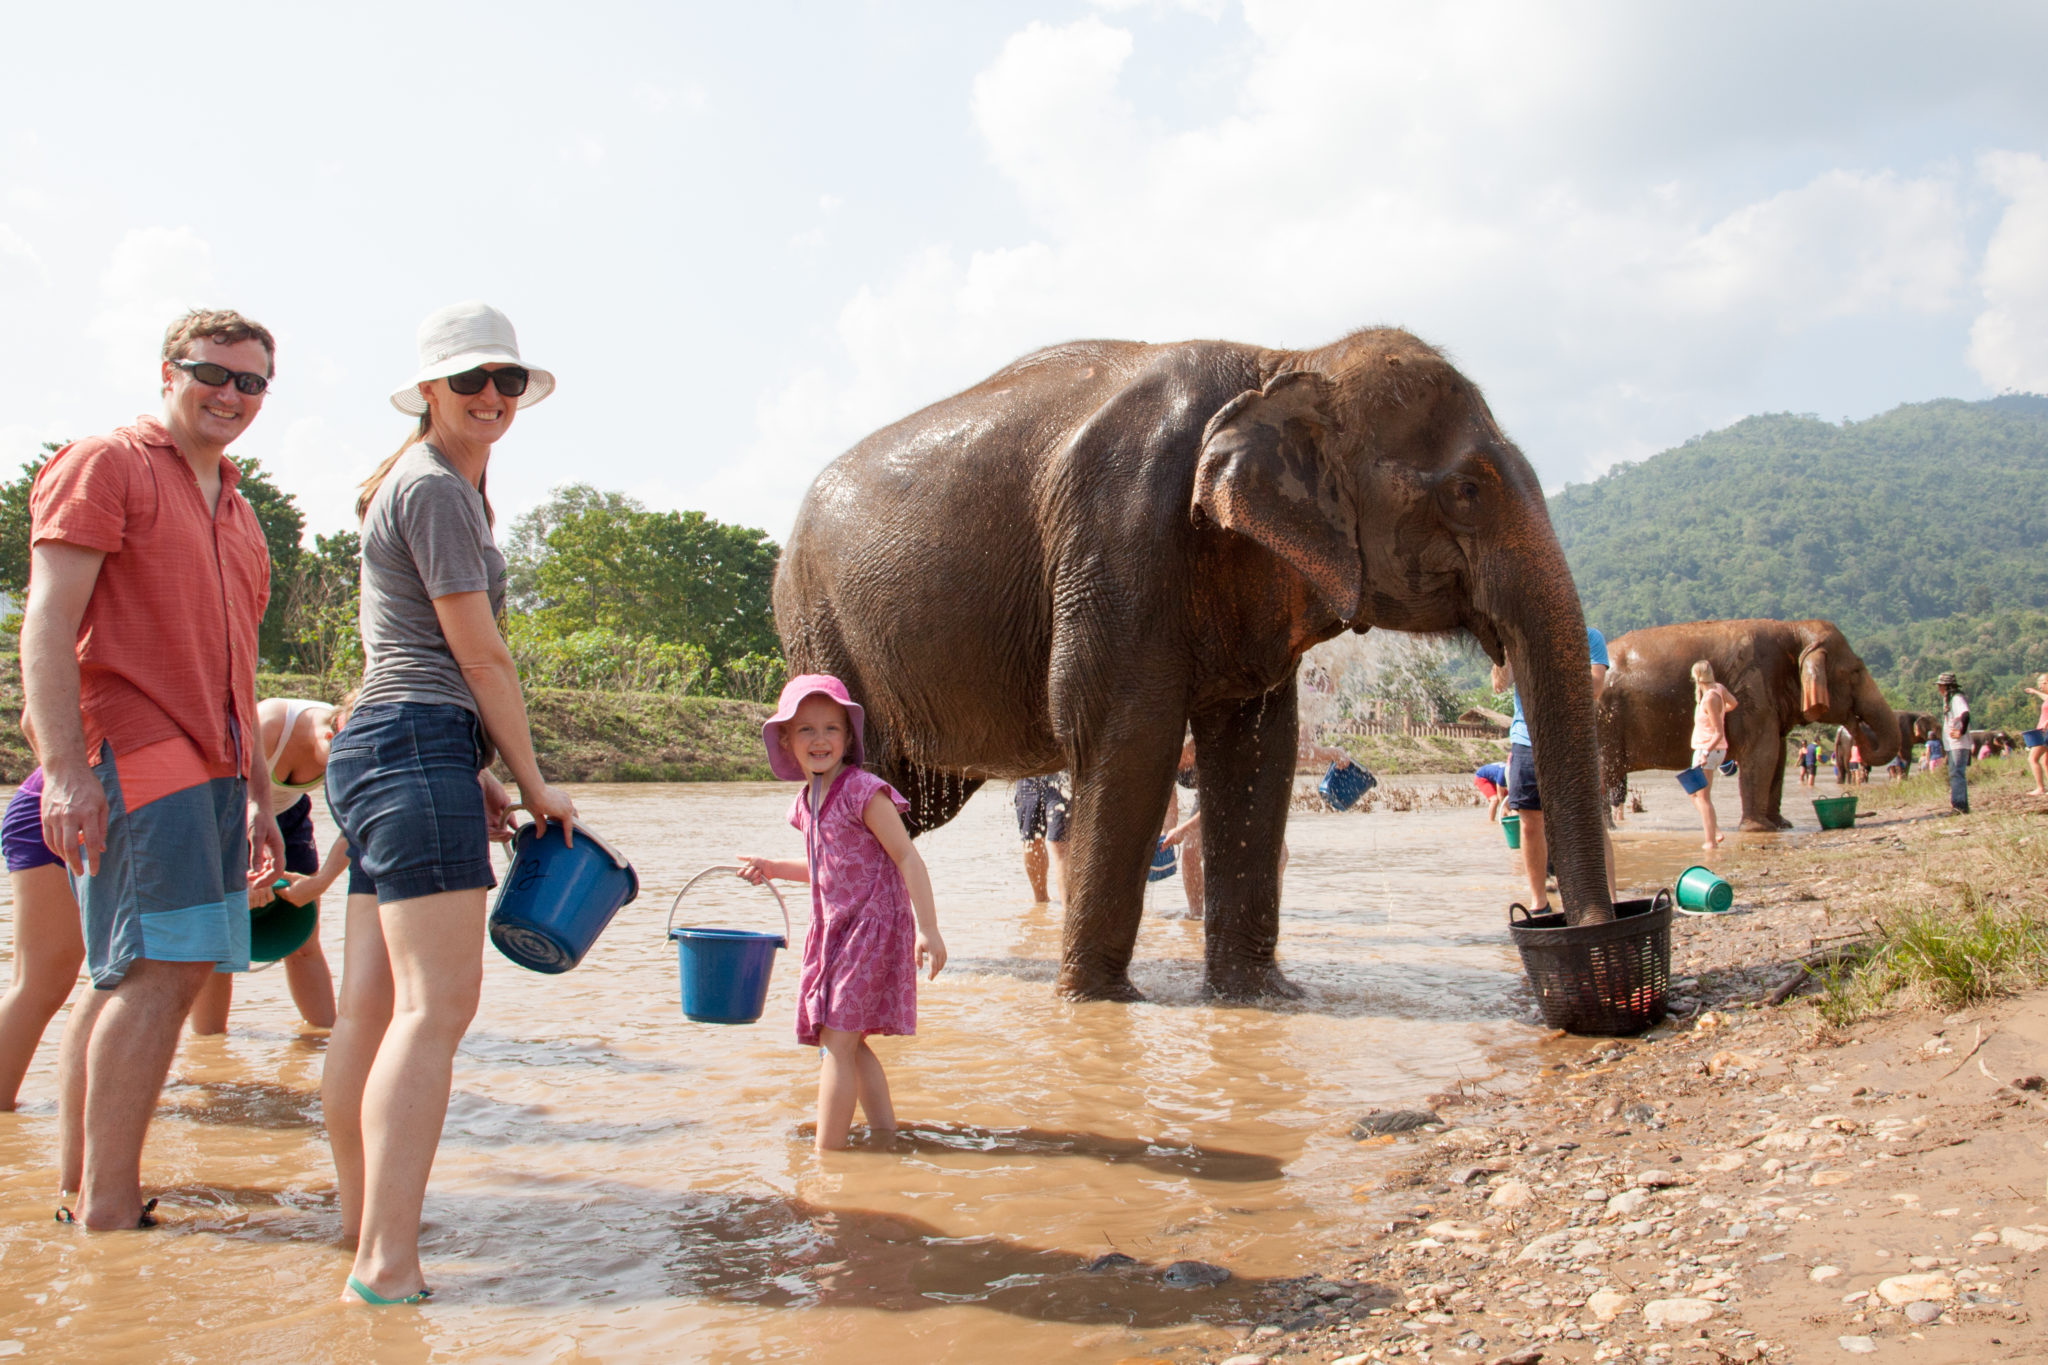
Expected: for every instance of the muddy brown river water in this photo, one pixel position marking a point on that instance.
(617, 1184)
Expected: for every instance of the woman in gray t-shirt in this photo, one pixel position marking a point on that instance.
(408, 782)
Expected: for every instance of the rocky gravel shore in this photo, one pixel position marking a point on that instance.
(1746, 1182)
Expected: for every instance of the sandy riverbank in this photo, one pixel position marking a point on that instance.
(1845, 1173)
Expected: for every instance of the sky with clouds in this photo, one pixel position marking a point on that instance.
(744, 236)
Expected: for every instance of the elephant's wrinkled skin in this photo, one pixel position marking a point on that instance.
(1105, 541)
(1783, 674)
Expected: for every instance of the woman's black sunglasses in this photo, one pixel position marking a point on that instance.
(511, 381)
(214, 376)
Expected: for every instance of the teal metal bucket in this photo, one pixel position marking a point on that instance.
(557, 897)
(1704, 892)
(724, 972)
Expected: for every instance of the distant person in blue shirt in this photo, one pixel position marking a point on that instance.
(1523, 798)
(1492, 781)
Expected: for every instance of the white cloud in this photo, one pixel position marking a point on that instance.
(2009, 341)
(154, 274)
(1421, 166)
(15, 247)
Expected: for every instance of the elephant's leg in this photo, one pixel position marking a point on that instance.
(1245, 756)
(1113, 825)
(1773, 762)
(1760, 780)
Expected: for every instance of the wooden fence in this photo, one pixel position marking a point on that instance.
(1383, 727)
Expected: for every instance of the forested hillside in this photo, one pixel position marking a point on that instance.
(1922, 512)
(1922, 532)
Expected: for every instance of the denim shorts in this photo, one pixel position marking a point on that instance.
(402, 783)
(1522, 793)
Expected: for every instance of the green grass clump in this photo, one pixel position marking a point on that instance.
(1990, 939)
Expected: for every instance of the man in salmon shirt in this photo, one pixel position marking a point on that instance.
(148, 575)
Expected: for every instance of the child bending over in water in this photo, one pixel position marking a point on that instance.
(872, 919)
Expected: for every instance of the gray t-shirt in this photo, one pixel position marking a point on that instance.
(425, 536)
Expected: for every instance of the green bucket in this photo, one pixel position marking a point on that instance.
(1511, 825)
(279, 929)
(1835, 812)
(1704, 892)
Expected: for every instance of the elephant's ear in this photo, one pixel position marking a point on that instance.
(1268, 472)
(1813, 683)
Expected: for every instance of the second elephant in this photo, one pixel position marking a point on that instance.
(1783, 674)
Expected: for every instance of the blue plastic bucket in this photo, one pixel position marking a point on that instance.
(557, 898)
(724, 972)
(1342, 787)
(1727, 767)
(1694, 780)
(2034, 739)
(1162, 864)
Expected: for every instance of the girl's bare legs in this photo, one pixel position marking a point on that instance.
(2037, 759)
(436, 949)
(49, 948)
(838, 1087)
(311, 982)
(851, 1074)
(1704, 799)
(209, 1013)
(1191, 874)
(875, 1104)
(359, 1029)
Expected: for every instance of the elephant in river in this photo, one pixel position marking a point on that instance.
(1108, 541)
(1783, 674)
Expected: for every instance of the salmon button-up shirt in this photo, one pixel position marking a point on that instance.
(167, 645)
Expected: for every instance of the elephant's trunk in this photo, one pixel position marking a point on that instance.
(1527, 592)
(1876, 716)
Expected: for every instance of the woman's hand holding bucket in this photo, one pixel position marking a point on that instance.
(549, 805)
(761, 871)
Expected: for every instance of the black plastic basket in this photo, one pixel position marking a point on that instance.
(1608, 979)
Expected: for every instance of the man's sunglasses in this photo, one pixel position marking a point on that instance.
(214, 376)
(510, 381)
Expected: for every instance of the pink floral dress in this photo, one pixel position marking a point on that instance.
(860, 956)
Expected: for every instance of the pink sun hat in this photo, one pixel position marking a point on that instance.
(794, 693)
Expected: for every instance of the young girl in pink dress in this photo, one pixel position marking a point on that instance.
(872, 919)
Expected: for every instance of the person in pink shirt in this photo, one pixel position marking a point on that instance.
(1711, 705)
(873, 923)
(2037, 754)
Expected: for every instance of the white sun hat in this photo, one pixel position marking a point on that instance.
(461, 337)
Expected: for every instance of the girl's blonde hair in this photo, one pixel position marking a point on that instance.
(382, 471)
(1503, 678)
(1702, 678)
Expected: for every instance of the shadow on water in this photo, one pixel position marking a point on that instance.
(1168, 1158)
(788, 1253)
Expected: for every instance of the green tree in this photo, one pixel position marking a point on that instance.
(678, 577)
(526, 544)
(278, 513)
(321, 606)
(14, 525)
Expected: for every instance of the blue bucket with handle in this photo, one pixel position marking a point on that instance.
(1342, 787)
(557, 897)
(724, 972)
(1163, 864)
(1694, 780)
